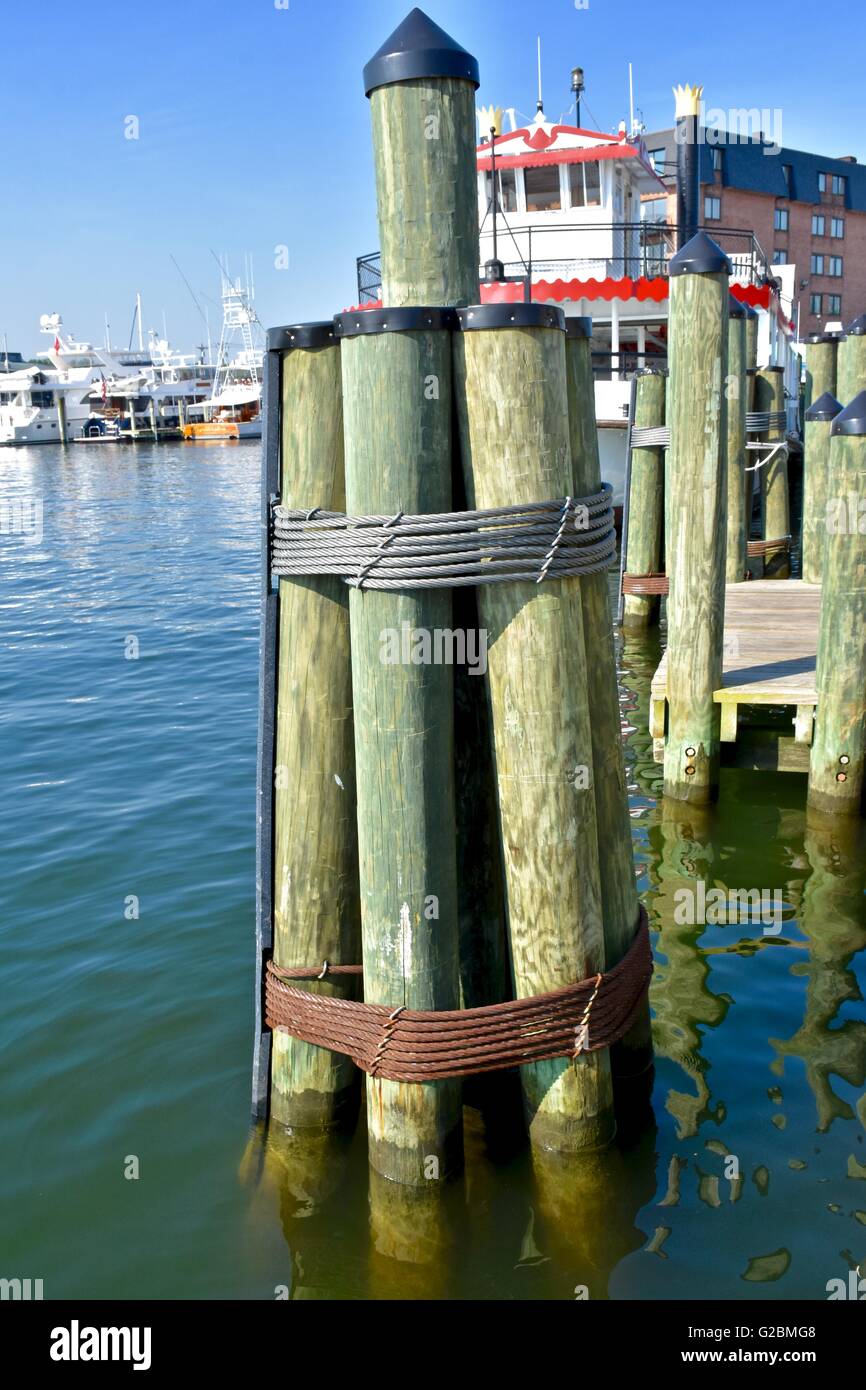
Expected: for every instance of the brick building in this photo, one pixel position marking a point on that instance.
(805, 210)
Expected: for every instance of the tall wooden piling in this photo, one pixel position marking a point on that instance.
(616, 859)
(816, 485)
(421, 86)
(775, 504)
(696, 522)
(398, 440)
(516, 449)
(752, 327)
(851, 362)
(646, 505)
(736, 393)
(836, 765)
(820, 358)
(316, 909)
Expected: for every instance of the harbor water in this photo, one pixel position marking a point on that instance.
(128, 1169)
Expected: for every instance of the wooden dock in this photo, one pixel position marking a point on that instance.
(771, 641)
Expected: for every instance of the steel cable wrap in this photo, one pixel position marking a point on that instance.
(535, 542)
(410, 1045)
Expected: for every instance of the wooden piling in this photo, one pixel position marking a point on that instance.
(851, 362)
(646, 499)
(421, 86)
(816, 483)
(696, 523)
(516, 449)
(836, 766)
(616, 859)
(752, 326)
(736, 393)
(820, 358)
(775, 505)
(316, 909)
(60, 402)
(398, 439)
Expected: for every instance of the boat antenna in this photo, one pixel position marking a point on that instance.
(140, 333)
(630, 101)
(202, 314)
(540, 103)
(132, 325)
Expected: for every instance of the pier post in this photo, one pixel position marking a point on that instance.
(775, 505)
(616, 858)
(696, 521)
(752, 325)
(851, 362)
(820, 356)
(516, 449)
(836, 766)
(736, 394)
(316, 910)
(646, 506)
(60, 402)
(397, 402)
(421, 85)
(816, 484)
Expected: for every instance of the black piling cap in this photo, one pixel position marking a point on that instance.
(302, 335)
(750, 312)
(858, 327)
(822, 338)
(359, 322)
(510, 316)
(578, 326)
(700, 256)
(826, 407)
(851, 420)
(736, 308)
(419, 48)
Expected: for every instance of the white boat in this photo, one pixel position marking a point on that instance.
(234, 408)
(154, 401)
(49, 400)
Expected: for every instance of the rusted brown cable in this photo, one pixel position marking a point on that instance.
(762, 547)
(412, 1045)
(647, 584)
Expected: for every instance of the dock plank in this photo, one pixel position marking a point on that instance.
(771, 643)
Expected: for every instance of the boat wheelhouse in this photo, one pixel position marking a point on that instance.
(578, 218)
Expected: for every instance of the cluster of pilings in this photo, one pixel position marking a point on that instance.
(700, 500)
(467, 838)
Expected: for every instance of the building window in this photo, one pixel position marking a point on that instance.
(657, 160)
(814, 303)
(817, 224)
(717, 159)
(585, 182)
(542, 189)
(834, 303)
(817, 265)
(780, 220)
(780, 257)
(838, 183)
(822, 183)
(837, 227)
(507, 181)
(712, 208)
(834, 265)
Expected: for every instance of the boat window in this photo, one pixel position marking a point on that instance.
(542, 189)
(42, 399)
(585, 180)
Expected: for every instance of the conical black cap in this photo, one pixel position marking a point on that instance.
(826, 407)
(851, 420)
(419, 48)
(858, 327)
(736, 308)
(700, 256)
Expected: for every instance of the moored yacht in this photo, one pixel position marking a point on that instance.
(233, 410)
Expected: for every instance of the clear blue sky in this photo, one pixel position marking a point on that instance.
(254, 131)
